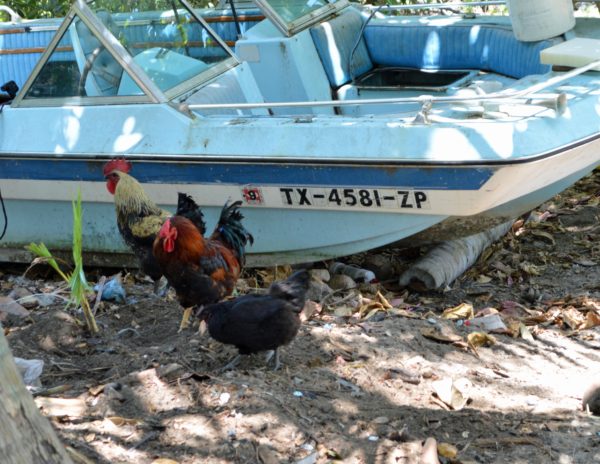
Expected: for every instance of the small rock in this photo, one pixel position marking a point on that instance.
(318, 290)
(381, 420)
(267, 455)
(24, 297)
(10, 306)
(170, 371)
(341, 282)
(321, 274)
(113, 391)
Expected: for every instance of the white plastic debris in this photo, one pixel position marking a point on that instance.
(488, 323)
(358, 274)
(30, 370)
(224, 398)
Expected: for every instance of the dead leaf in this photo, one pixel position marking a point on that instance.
(270, 275)
(543, 235)
(592, 320)
(530, 269)
(447, 450)
(454, 393)
(383, 300)
(525, 333)
(267, 455)
(371, 314)
(483, 279)
(477, 339)
(502, 267)
(405, 313)
(573, 318)
(122, 421)
(310, 308)
(164, 461)
(441, 335)
(95, 391)
(462, 311)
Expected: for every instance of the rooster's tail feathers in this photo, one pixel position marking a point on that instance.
(231, 231)
(293, 289)
(187, 207)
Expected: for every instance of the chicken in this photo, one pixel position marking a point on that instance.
(255, 323)
(139, 219)
(202, 270)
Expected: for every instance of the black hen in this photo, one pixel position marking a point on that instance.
(255, 323)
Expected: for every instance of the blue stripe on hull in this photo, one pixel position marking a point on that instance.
(436, 178)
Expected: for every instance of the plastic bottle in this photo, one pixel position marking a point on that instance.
(358, 274)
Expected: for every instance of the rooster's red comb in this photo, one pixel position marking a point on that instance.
(117, 164)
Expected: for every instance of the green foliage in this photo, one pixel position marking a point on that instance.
(39, 8)
(77, 281)
(78, 284)
(31, 9)
(44, 254)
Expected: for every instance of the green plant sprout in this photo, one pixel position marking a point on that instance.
(78, 284)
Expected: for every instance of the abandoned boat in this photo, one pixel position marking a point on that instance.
(340, 129)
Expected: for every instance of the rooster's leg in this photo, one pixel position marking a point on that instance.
(185, 320)
(231, 364)
(269, 356)
(161, 287)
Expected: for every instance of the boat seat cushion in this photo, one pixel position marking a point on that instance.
(490, 47)
(334, 41)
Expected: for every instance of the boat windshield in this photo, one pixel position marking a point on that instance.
(102, 54)
(292, 16)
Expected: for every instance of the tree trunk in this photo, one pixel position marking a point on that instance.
(25, 435)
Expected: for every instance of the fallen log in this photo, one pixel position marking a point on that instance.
(449, 260)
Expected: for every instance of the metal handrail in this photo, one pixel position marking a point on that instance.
(437, 6)
(434, 6)
(509, 97)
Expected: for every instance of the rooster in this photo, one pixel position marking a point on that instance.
(202, 270)
(139, 219)
(255, 323)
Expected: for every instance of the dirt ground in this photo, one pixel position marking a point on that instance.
(362, 382)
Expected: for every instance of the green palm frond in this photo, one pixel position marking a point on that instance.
(78, 284)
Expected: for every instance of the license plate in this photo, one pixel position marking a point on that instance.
(353, 198)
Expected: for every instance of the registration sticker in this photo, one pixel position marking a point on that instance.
(253, 195)
(354, 198)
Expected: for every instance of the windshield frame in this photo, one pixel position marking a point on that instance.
(151, 92)
(289, 28)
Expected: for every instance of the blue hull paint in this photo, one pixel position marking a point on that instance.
(259, 173)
